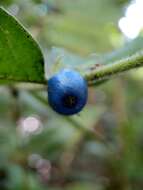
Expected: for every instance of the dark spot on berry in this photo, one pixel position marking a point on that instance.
(69, 101)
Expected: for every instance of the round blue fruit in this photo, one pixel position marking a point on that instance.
(67, 92)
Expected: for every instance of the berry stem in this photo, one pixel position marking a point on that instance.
(105, 72)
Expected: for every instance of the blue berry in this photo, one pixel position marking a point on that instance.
(67, 92)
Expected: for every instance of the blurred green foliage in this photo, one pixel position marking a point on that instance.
(102, 147)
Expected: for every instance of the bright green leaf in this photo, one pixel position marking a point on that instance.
(21, 59)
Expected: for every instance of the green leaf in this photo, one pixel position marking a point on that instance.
(21, 59)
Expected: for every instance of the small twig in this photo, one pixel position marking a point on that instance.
(16, 111)
(107, 71)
